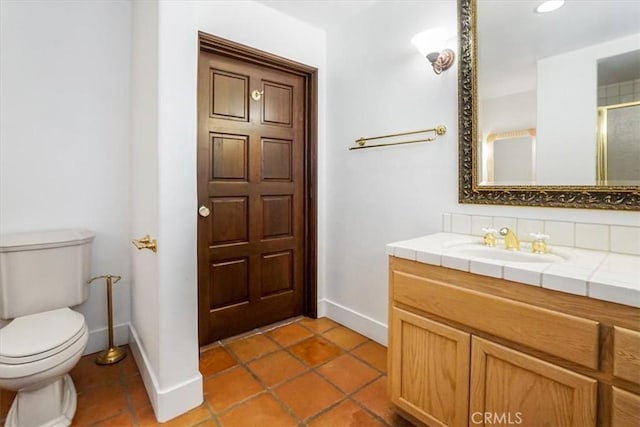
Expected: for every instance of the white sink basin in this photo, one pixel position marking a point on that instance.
(477, 250)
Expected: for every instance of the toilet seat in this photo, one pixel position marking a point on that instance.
(37, 342)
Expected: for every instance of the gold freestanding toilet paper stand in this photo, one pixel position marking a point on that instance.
(112, 354)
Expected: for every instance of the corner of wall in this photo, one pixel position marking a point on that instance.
(170, 402)
(352, 319)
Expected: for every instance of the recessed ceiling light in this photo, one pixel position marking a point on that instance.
(549, 6)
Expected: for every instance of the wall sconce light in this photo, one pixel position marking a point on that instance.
(429, 42)
(442, 60)
(549, 6)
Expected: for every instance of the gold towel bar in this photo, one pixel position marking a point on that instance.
(438, 130)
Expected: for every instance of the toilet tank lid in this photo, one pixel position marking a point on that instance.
(44, 239)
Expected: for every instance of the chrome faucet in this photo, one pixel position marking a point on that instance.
(511, 241)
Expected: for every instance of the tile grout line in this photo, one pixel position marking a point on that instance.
(124, 381)
(242, 364)
(287, 349)
(280, 347)
(313, 369)
(132, 412)
(345, 395)
(350, 395)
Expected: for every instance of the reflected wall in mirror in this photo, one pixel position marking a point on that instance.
(551, 73)
(509, 158)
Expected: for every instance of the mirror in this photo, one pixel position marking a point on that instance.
(543, 117)
(508, 158)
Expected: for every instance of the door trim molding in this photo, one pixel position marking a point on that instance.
(215, 44)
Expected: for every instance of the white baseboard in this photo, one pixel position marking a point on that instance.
(99, 338)
(170, 402)
(359, 322)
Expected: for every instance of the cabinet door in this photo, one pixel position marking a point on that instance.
(429, 369)
(625, 409)
(508, 387)
(626, 354)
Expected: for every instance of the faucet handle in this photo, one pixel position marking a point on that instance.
(539, 244)
(539, 236)
(489, 238)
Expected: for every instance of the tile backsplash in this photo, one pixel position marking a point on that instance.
(600, 237)
(619, 93)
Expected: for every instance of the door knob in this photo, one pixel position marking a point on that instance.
(257, 94)
(203, 211)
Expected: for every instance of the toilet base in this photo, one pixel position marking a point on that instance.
(53, 405)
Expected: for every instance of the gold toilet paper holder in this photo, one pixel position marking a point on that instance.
(113, 354)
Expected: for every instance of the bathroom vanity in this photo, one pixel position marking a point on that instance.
(471, 349)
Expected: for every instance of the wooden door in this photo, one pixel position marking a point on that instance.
(429, 369)
(509, 387)
(251, 190)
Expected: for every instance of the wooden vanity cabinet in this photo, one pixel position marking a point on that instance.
(468, 350)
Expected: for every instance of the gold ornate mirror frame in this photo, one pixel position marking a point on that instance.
(585, 197)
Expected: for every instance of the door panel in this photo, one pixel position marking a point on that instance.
(278, 104)
(276, 159)
(230, 98)
(277, 273)
(235, 273)
(229, 223)
(277, 216)
(229, 157)
(251, 158)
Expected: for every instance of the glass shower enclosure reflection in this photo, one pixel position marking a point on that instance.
(618, 161)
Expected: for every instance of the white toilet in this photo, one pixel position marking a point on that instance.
(41, 275)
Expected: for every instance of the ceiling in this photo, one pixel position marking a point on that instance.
(320, 13)
(505, 26)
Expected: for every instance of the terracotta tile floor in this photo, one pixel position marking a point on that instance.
(304, 372)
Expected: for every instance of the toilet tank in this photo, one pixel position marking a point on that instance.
(41, 271)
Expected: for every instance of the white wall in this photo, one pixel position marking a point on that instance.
(145, 305)
(507, 113)
(166, 330)
(164, 292)
(64, 119)
(64, 137)
(567, 102)
(378, 84)
(513, 161)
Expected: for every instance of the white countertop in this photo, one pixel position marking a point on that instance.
(601, 275)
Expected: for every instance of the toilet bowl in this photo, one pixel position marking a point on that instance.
(36, 353)
(42, 274)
